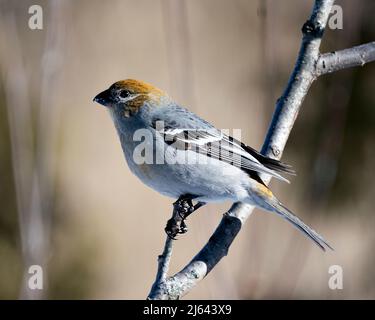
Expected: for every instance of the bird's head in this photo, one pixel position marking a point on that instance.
(126, 97)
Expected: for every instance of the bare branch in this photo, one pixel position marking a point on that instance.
(158, 288)
(287, 107)
(347, 58)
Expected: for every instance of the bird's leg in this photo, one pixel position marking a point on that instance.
(182, 208)
(185, 214)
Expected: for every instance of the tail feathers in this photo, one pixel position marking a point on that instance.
(278, 166)
(270, 163)
(300, 225)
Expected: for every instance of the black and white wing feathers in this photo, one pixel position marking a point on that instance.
(184, 130)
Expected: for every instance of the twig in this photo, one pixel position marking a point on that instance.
(347, 58)
(161, 275)
(287, 108)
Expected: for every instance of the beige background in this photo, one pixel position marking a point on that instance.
(227, 61)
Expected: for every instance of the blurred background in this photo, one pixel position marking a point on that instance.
(70, 204)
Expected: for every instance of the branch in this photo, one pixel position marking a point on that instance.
(287, 107)
(347, 58)
(163, 266)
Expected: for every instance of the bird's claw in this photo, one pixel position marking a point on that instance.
(183, 227)
(172, 228)
(176, 225)
(183, 207)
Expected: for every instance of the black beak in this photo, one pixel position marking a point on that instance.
(103, 98)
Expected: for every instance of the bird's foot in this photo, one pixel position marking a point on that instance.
(182, 208)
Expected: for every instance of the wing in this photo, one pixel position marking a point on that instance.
(184, 130)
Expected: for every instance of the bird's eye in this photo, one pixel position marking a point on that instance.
(124, 94)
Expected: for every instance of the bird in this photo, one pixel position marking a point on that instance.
(182, 156)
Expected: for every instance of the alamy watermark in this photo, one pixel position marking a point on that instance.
(36, 18)
(336, 280)
(187, 146)
(336, 19)
(35, 281)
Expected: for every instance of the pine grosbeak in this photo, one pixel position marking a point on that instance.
(182, 156)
